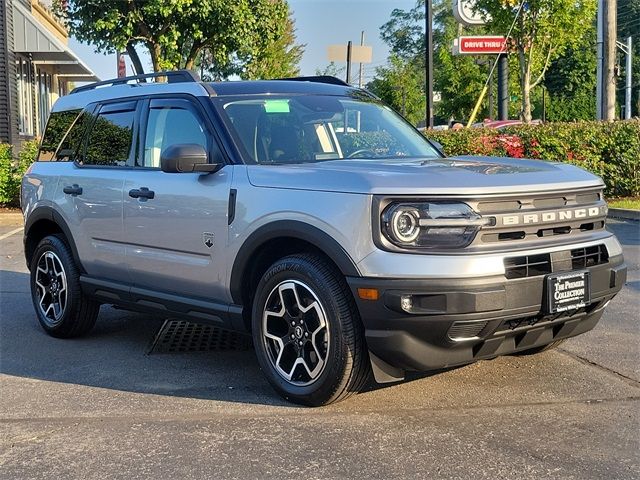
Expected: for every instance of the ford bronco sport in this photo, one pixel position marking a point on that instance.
(308, 213)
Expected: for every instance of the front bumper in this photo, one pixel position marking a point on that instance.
(459, 321)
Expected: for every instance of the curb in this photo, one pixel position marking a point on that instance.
(624, 214)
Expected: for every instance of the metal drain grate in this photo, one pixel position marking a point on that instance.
(177, 336)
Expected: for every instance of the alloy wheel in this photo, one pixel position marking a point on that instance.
(295, 332)
(51, 281)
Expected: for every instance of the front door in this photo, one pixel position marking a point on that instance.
(175, 224)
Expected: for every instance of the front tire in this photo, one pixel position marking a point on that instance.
(307, 333)
(62, 309)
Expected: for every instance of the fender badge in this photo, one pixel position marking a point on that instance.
(207, 239)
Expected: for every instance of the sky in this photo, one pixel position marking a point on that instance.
(319, 23)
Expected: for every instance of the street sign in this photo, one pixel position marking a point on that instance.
(463, 11)
(359, 53)
(480, 45)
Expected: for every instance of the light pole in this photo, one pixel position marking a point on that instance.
(428, 5)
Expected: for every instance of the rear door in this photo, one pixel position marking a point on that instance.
(90, 189)
(176, 235)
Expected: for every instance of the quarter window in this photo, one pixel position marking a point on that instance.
(168, 126)
(110, 139)
(61, 124)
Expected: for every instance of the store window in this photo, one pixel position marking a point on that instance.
(24, 74)
(44, 99)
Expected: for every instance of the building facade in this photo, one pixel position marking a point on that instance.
(36, 67)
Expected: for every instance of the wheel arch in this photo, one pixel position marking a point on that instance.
(45, 221)
(278, 239)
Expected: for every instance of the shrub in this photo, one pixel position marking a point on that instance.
(12, 169)
(608, 149)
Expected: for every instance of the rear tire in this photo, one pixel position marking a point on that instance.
(62, 309)
(543, 348)
(307, 333)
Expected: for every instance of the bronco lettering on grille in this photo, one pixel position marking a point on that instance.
(546, 217)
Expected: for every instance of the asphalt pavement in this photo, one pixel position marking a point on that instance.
(103, 407)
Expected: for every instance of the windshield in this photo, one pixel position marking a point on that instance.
(315, 128)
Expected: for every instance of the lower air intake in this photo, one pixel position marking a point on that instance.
(465, 330)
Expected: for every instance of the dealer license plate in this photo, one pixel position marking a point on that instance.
(568, 291)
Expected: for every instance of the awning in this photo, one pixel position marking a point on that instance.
(45, 49)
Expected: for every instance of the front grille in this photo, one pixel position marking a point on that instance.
(527, 266)
(589, 256)
(539, 217)
(542, 264)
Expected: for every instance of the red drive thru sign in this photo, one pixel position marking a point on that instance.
(480, 45)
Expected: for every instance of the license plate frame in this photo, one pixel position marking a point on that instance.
(567, 291)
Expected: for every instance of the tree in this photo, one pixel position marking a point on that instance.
(629, 26)
(542, 32)
(458, 79)
(331, 70)
(225, 37)
(276, 55)
(401, 85)
(571, 82)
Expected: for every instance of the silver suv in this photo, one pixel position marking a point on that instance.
(311, 215)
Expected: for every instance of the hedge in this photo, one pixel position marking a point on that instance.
(12, 169)
(608, 149)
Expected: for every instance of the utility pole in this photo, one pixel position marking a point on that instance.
(349, 50)
(503, 86)
(428, 5)
(599, 58)
(361, 76)
(490, 99)
(609, 67)
(627, 97)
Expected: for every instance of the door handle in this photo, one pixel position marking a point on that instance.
(73, 190)
(143, 193)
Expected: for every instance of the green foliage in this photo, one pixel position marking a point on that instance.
(571, 82)
(277, 56)
(332, 70)
(608, 149)
(458, 78)
(629, 25)
(543, 31)
(401, 86)
(12, 169)
(7, 179)
(250, 38)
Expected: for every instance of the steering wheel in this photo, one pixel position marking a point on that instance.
(361, 151)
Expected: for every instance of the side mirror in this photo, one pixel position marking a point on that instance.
(187, 158)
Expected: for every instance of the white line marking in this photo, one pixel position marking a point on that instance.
(12, 232)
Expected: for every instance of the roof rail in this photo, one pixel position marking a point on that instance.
(175, 76)
(319, 79)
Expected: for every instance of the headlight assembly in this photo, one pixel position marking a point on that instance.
(423, 225)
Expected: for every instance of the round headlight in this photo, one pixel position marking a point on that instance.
(405, 224)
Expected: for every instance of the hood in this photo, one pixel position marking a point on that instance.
(442, 176)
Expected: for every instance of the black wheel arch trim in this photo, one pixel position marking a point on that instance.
(50, 214)
(292, 229)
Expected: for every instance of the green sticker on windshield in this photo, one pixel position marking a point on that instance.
(276, 106)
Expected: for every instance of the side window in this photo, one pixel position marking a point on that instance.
(170, 125)
(70, 146)
(110, 139)
(59, 126)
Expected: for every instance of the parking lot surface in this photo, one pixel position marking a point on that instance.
(111, 406)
